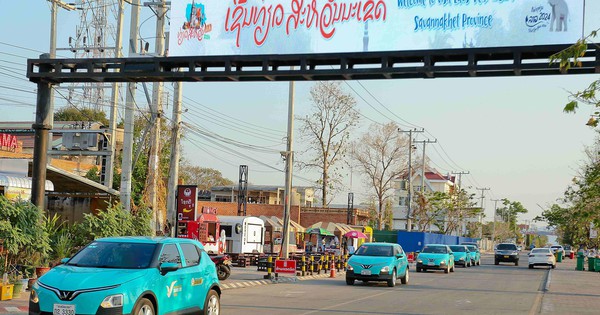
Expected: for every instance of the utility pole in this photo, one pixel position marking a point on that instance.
(459, 185)
(154, 156)
(110, 161)
(127, 161)
(410, 147)
(424, 142)
(175, 155)
(480, 215)
(288, 173)
(494, 222)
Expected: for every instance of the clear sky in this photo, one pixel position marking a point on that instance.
(509, 133)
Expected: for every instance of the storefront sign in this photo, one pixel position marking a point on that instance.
(261, 27)
(8, 142)
(186, 202)
(16, 193)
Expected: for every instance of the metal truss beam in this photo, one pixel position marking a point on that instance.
(450, 63)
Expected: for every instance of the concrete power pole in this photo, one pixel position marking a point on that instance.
(110, 161)
(494, 220)
(424, 142)
(175, 155)
(154, 156)
(289, 162)
(127, 162)
(410, 143)
(481, 215)
(460, 174)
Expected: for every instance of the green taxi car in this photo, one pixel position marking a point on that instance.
(130, 275)
(475, 255)
(378, 262)
(435, 257)
(462, 255)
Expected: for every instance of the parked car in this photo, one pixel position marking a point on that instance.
(475, 255)
(436, 257)
(131, 275)
(541, 257)
(378, 262)
(557, 248)
(470, 244)
(506, 252)
(462, 255)
(568, 251)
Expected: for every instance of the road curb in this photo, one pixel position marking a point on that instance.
(253, 283)
(548, 280)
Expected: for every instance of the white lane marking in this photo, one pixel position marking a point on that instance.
(12, 309)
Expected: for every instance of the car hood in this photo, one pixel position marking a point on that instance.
(459, 255)
(371, 260)
(72, 278)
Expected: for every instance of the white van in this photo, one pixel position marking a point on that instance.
(243, 235)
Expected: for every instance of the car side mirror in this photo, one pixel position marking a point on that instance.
(418, 252)
(167, 267)
(400, 256)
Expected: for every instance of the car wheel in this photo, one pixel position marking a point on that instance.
(143, 307)
(404, 280)
(452, 269)
(530, 266)
(479, 263)
(223, 272)
(212, 305)
(349, 281)
(553, 266)
(516, 263)
(447, 270)
(392, 281)
(418, 269)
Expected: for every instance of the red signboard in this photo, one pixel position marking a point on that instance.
(8, 142)
(186, 202)
(285, 266)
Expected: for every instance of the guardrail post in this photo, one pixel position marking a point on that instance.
(312, 264)
(303, 265)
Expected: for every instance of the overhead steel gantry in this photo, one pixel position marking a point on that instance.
(447, 63)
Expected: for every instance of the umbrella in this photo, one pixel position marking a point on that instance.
(320, 231)
(355, 234)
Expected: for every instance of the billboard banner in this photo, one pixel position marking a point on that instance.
(187, 196)
(260, 27)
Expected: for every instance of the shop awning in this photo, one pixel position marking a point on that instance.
(21, 182)
(272, 223)
(294, 226)
(336, 228)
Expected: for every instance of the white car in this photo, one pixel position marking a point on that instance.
(542, 257)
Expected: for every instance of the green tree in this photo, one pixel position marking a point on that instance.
(509, 212)
(205, 178)
(72, 113)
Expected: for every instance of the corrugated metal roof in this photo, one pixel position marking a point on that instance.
(21, 182)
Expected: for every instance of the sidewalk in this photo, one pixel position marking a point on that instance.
(571, 291)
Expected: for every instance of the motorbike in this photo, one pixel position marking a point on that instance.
(223, 263)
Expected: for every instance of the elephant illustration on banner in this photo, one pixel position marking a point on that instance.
(560, 13)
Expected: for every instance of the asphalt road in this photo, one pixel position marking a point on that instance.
(485, 289)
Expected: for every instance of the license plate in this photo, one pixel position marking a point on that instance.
(365, 272)
(431, 263)
(63, 309)
(505, 256)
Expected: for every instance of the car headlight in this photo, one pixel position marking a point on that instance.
(349, 267)
(443, 262)
(461, 258)
(385, 269)
(112, 301)
(33, 297)
(420, 261)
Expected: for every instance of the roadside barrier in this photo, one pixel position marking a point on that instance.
(306, 264)
(411, 257)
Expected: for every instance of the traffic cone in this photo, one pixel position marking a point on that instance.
(332, 273)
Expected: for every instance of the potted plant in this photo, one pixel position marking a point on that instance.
(15, 280)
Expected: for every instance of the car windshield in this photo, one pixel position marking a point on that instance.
(506, 247)
(374, 251)
(435, 249)
(458, 248)
(114, 255)
(472, 248)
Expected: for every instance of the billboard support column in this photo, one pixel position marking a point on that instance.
(289, 162)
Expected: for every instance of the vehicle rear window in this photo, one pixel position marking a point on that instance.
(114, 255)
(540, 251)
(375, 251)
(507, 247)
(435, 249)
(472, 248)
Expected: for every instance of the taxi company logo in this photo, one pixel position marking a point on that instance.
(366, 266)
(197, 281)
(66, 295)
(172, 289)
(537, 18)
(187, 192)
